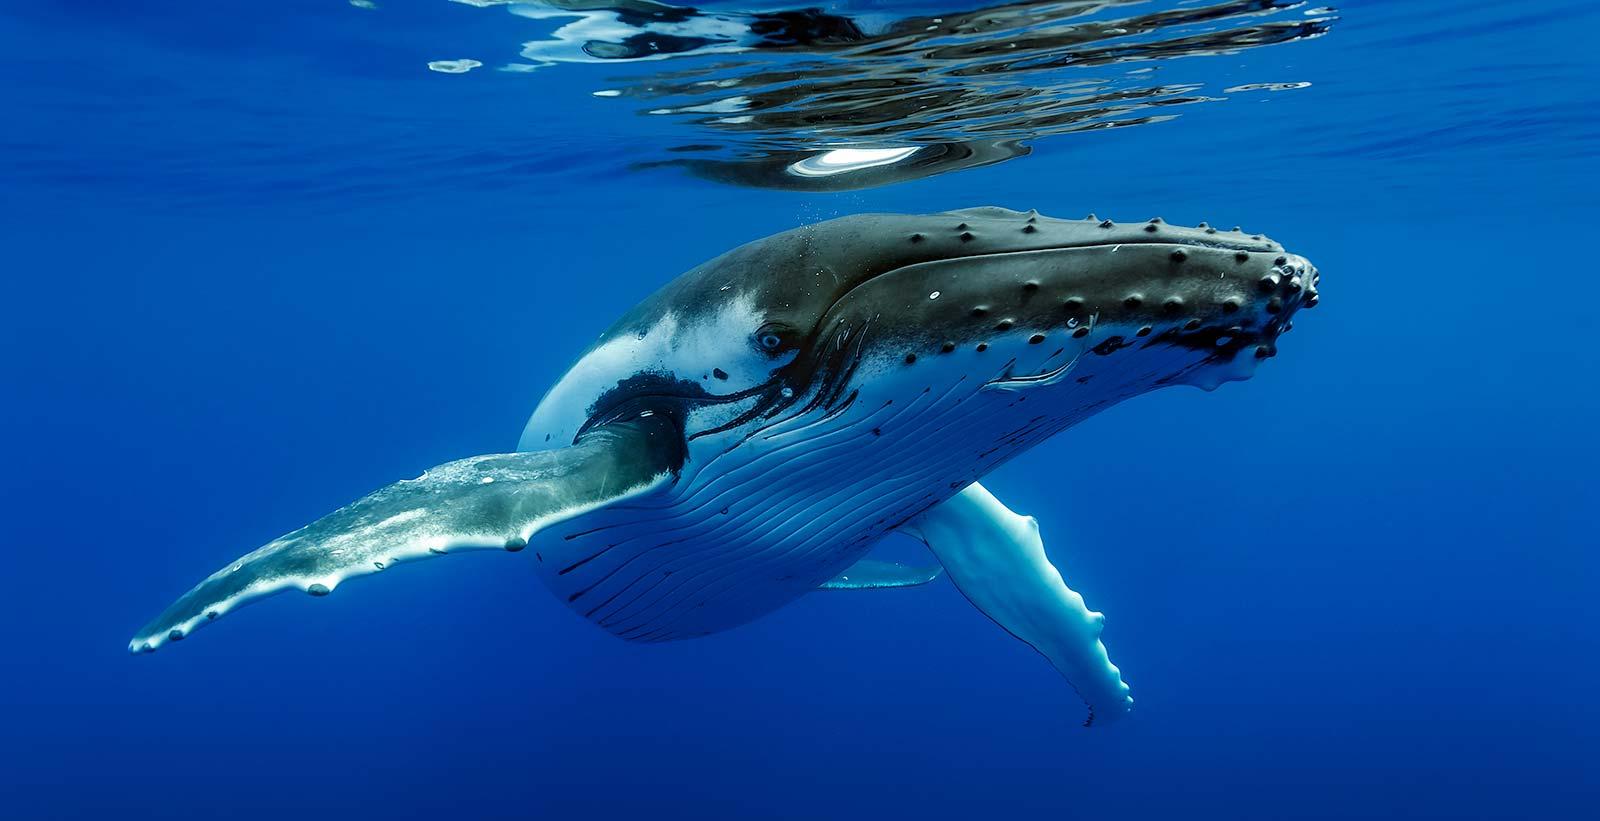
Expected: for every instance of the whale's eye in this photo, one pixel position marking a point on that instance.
(773, 338)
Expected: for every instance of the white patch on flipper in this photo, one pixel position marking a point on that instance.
(997, 560)
(359, 539)
(408, 515)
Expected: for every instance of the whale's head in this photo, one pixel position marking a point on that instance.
(1072, 315)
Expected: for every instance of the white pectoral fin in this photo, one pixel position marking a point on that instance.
(874, 574)
(484, 502)
(997, 560)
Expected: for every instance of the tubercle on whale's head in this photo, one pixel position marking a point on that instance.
(789, 314)
(1146, 304)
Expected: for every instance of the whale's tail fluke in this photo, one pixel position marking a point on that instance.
(484, 502)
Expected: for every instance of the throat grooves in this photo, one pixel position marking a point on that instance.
(764, 523)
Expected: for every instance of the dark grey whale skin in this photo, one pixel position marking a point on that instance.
(1000, 271)
(795, 275)
(1127, 273)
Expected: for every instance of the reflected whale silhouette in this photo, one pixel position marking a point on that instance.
(958, 90)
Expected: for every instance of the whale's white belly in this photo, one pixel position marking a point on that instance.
(748, 529)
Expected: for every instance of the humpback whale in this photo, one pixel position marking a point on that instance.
(747, 434)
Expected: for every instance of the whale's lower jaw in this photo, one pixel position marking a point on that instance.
(758, 519)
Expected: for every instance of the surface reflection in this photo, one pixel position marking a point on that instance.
(820, 101)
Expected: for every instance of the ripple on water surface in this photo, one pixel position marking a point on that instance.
(818, 100)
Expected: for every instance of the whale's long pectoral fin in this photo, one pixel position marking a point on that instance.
(497, 501)
(875, 574)
(997, 560)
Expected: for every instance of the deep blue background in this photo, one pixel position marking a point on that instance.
(256, 262)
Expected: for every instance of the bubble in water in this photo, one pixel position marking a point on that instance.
(1265, 87)
(453, 66)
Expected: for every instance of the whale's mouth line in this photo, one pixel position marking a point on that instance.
(781, 391)
(788, 393)
(1220, 243)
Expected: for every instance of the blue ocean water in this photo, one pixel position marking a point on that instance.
(260, 259)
